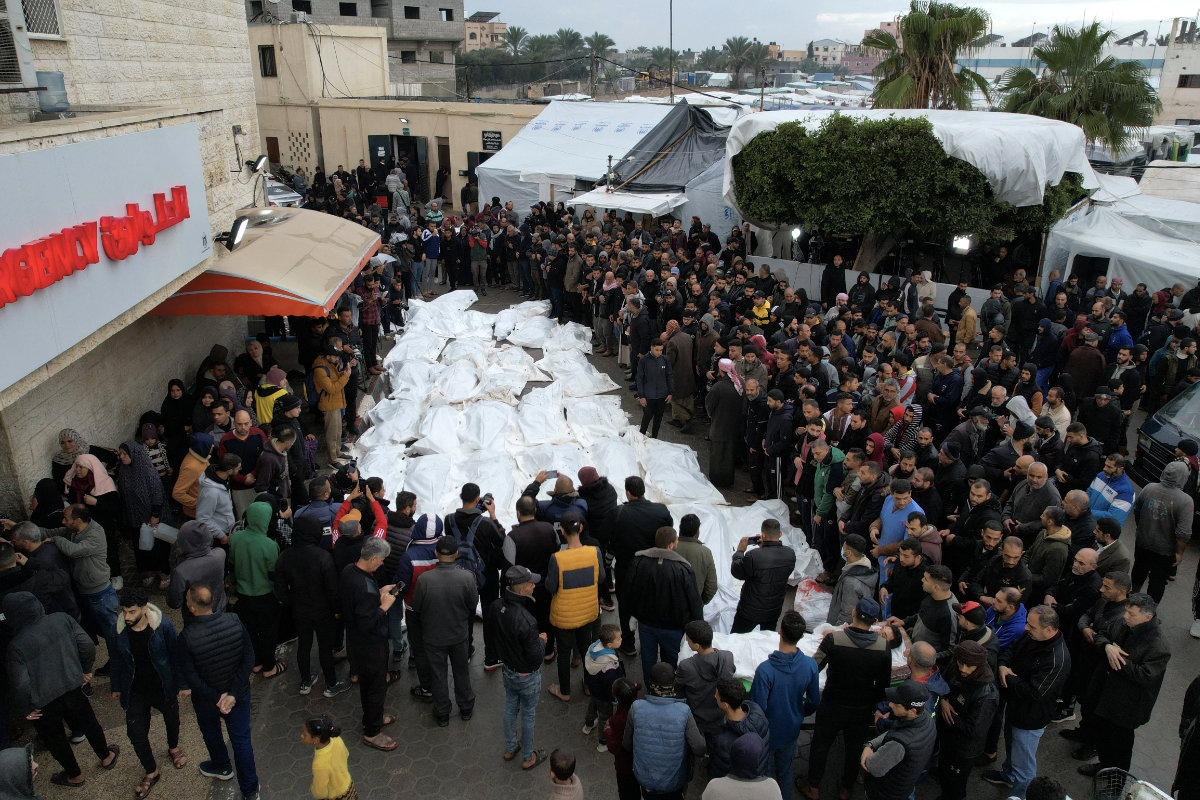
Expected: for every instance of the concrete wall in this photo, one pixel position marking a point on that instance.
(354, 59)
(1181, 59)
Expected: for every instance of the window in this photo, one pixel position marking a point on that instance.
(1187, 122)
(437, 57)
(408, 56)
(256, 9)
(447, 14)
(302, 5)
(348, 9)
(266, 61)
(412, 12)
(1189, 82)
(471, 36)
(41, 16)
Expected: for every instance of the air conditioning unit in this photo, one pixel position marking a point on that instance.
(299, 16)
(16, 57)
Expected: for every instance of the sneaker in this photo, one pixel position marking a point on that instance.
(1195, 629)
(424, 695)
(252, 796)
(306, 686)
(1072, 734)
(336, 689)
(466, 715)
(210, 770)
(78, 738)
(995, 776)
(1065, 713)
(602, 748)
(491, 666)
(628, 652)
(587, 728)
(443, 722)
(1084, 753)
(1089, 770)
(607, 605)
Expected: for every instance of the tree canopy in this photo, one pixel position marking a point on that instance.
(922, 70)
(1079, 84)
(870, 177)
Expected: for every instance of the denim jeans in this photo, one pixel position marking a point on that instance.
(521, 694)
(556, 303)
(101, 612)
(418, 269)
(1042, 379)
(1020, 762)
(237, 724)
(782, 756)
(659, 644)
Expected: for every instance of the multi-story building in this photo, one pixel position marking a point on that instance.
(484, 33)
(422, 35)
(828, 52)
(1179, 86)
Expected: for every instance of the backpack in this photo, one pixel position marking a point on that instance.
(468, 556)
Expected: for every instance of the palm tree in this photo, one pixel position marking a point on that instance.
(541, 47)
(569, 42)
(758, 55)
(515, 38)
(709, 59)
(598, 45)
(924, 72)
(735, 50)
(1079, 84)
(662, 58)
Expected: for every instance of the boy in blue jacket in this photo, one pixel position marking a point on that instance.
(786, 687)
(602, 668)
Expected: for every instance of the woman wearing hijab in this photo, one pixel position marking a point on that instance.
(965, 713)
(724, 406)
(46, 505)
(206, 398)
(87, 482)
(759, 343)
(72, 444)
(143, 502)
(251, 365)
(175, 413)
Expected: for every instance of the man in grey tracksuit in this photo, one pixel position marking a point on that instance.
(655, 385)
(1163, 512)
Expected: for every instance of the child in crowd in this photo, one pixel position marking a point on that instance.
(601, 668)
(624, 691)
(156, 449)
(331, 770)
(566, 783)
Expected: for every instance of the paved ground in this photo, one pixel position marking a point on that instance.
(464, 760)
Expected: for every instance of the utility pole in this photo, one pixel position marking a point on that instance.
(671, 45)
(762, 82)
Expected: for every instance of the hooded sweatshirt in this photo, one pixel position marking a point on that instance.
(199, 563)
(786, 686)
(696, 679)
(195, 461)
(601, 669)
(1164, 512)
(252, 554)
(16, 774)
(304, 576)
(47, 656)
(214, 504)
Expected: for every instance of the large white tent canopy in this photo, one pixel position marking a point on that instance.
(1019, 154)
(653, 203)
(1134, 252)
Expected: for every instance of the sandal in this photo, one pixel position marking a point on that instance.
(381, 742)
(178, 759)
(394, 675)
(143, 788)
(115, 749)
(538, 757)
(554, 692)
(388, 719)
(279, 669)
(60, 779)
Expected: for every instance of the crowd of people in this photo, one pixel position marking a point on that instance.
(961, 474)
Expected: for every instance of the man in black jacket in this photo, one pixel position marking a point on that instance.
(655, 383)
(1081, 460)
(529, 544)
(764, 572)
(639, 332)
(217, 657)
(445, 599)
(1032, 671)
(777, 441)
(1126, 683)
(520, 646)
(307, 583)
(476, 521)
(365, 607)
(664, 598)
(601, 499)
(965, 528)
(637, 522)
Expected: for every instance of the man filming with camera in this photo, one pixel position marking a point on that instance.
(765, 571)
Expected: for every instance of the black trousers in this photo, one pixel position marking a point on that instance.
(326, 635)
(744, 623)
(623, 603)
(852, 722)
(578, 639)
(260, 615)
(754, 463)
(74, 709)
(443, 660)
(720, 463)
(1154, 565)
(371, 660)
(137, 724)
(416, 644)
(370, 337)
(953, 774)
(1114, 744)
(653, 412)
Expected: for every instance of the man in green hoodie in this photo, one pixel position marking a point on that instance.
(252, 557)
(826, 461)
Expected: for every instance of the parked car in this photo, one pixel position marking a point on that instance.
(1179, 419)
(280, 194)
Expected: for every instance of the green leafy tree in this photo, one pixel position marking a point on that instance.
(709, 59)
(758, 58)
(514, 39)
(878, 179)
(923, 72)
(599, 44)
(569, 42)
(541, 47)
(736, 50)
(1078, 83)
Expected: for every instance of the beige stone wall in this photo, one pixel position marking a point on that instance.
(1181, 59)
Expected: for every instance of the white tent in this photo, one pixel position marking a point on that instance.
(1018, 154)
(653, 203)
(1172, 180)
(1134, 252)
(567, 143)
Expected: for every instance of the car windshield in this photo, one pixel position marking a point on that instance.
(1184, 413)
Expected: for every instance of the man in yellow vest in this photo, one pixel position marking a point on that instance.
(573, 580)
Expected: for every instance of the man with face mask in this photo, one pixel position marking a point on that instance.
(1022, 511)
